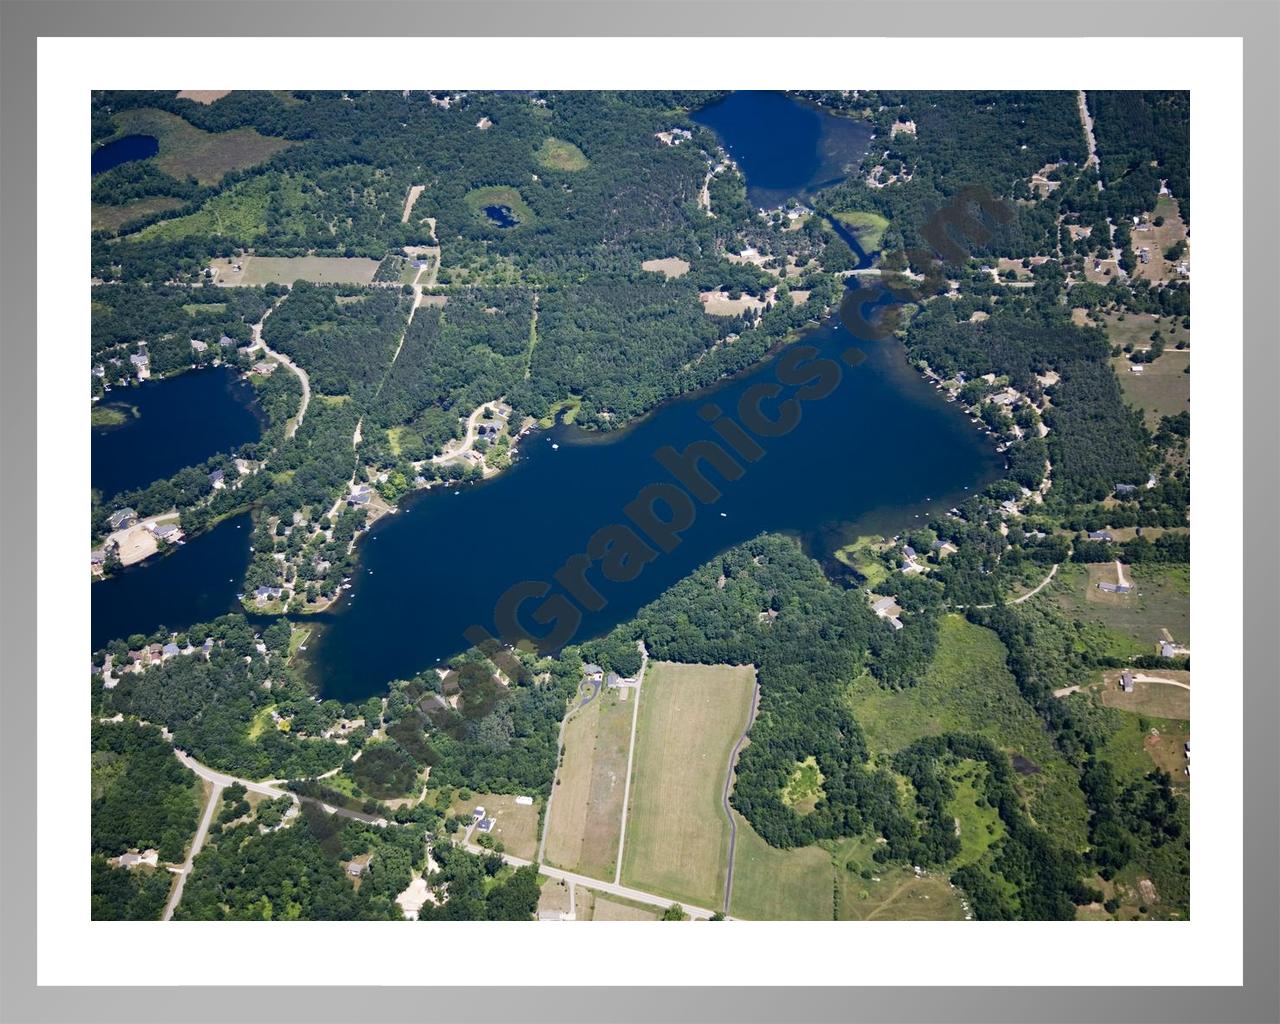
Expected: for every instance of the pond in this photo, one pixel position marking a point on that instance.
(124, 150)
(169, 424)
(502, 216)
(786, 148)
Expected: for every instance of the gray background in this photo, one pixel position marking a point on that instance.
(1257, 22)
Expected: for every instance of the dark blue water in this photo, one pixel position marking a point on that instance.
(882, 441)
(501, 215)
(124, 150)
(196, 582)
(180, 421)
(785, 148)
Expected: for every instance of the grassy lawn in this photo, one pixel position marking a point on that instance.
(586, 814)
(517, 824)
(1161, 600)
(113, 218)
(499, 195)
(558, 155)
(980, 826)
(862, 557)
(867, 228)
(1152, 699)
(569, 406)
(779, 885)
(1162, 389)
(189, 152)
(677, 836)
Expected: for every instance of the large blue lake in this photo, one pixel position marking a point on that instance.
(882, 449)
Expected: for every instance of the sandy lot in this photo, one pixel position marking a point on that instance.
(259, 270)
(205, 96)
(718, 303)
(669, 267)
(409, 200)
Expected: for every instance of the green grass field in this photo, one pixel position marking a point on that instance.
(558, 155)
(868, 228)
(499, 195)
(189, 152)
(1161, 600)
(779, 885)
(677, 836)
(1162, 389)
(804, 788)
(586, 812)
(240, 212)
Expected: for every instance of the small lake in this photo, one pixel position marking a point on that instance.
(124, 150)
(502, 216)
(786, 148)
(172, 423)
(195, 582)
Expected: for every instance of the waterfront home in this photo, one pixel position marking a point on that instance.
(264, 594)
(592, 672)
(167, 532)
(122, 518)
(227, 342)
(217, 480)
(198, 346)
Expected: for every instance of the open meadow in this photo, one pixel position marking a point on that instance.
(1161, 599)
(677, 839)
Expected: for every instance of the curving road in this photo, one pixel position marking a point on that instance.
(728, 786)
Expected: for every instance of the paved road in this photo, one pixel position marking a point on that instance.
(608, 888)
(197, 844)
(728, 786)
(631, 750)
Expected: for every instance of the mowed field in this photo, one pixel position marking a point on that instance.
(586, 810)
(779, 885)
(260, 270)
(1162, 389)
(190, 152)
(677, 840)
